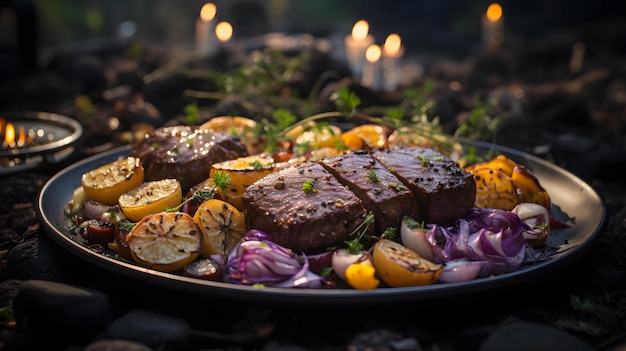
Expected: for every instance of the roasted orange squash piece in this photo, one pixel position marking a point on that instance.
(531, 189)
(495, 189)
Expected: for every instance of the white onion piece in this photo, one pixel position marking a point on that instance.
(342, 259)
(77, 202)
(415, 239)
(527, 210)
(460, 270)
(537, 218)
(94, 209)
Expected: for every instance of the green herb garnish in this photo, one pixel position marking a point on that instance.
(308, 186)
(355, 245)
(220, 179)
(372, 176)
(256, 165)
(390, 233)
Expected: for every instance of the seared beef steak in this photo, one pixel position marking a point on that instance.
(185, 153)
(444, 191)
(381, 191)
(303, 208)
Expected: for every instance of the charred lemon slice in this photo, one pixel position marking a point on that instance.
(151, 197)
(242, 172)
(495, 189)
(166, 241)
(105, 184)
(399, 266)
(222, 226)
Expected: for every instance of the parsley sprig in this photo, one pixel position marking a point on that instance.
(220, 179)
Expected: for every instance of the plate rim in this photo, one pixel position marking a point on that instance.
(317, 296)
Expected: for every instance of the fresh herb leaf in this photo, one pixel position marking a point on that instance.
(413, 224)
(126, 225)
(346, 101)
(308, 186)
(256, 165)
(192, 114)
(372, 176)
(390, 233)
(355, 245)
(220, 179)
(326, 272)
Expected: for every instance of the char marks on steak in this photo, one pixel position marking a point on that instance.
(308, 221)
(380, 190)
(444, 191)
(185, 153)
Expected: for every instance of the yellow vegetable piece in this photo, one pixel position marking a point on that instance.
(222, 226)
(531, 189)
(166, 241)
(151, 197)
(495, 189)
(399, 266)
(500, 162)
(373, 136)
(352, 141)
(362, 276)
(317, 138)
(497, 178)
(242, 172)
(105, 184)
(236, 125)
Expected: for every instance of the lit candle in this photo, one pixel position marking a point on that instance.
(372, 72)
(204, 29)
(223, 32)
(493, 27)
(356, 45)
(392, 52)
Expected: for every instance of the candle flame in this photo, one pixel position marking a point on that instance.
(494, 12)
(9, 134)
(373, 52)
(393, 43)
(208, 12)
(223, 31)
(360, 30)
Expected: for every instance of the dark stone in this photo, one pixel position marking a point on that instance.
(151, 328)
(34, 259)
(116, 345)
(530, 336)
(54, 315)
(8, 290)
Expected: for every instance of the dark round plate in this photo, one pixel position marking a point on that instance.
(574, 197)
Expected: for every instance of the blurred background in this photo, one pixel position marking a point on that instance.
(447, 25)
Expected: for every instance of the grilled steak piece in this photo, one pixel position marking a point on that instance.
(380, 190)
(444, 191)
(185, 153)
(304, 208)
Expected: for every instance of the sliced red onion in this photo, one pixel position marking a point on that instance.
(255, 260)
(460, 270)
(489, 235)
